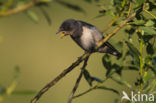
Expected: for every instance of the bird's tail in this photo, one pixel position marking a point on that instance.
(108, 48)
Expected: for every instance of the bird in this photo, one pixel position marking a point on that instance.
(87, 36)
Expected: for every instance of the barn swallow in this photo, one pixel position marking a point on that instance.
(87, 36)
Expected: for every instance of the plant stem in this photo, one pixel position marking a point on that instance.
(150, 13)
(141, 64)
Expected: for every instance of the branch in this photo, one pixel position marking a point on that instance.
(60, 76)
(80, 59)
(78, 81)
(20, 9)
(90, 89)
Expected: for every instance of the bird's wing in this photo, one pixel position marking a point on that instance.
(97, 35)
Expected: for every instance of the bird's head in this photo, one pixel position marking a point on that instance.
(68, 27)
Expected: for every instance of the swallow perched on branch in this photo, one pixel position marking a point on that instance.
(87, 36)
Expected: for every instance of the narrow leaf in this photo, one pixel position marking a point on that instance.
(88, 77)
(71, 6)
(45, 15)
(109, 89)
(32, 15)
(135, 52)
(120, 81)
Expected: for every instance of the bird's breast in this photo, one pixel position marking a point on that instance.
(86, 40)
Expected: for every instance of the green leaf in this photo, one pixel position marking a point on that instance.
(32, 15)
(135, 52)
(149, 23)
(150, 49)
(2, 90)
(139, 22)
(25, 92)
(109, 89)
(140, 2)
(107, 64)
(151, 67)
(120, 81)
(117, 2)
(131, 67)
(71, 6)
(45, 15)
(88, 77)
(148, 76)
(148, 30)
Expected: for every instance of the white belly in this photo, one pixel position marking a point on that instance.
(87, 40)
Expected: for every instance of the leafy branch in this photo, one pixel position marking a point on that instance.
(80, 59)
(20, 9)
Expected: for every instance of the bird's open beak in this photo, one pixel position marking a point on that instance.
(62, 33)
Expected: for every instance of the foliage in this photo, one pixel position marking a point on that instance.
(11, 89)
(140, 34)
(140, 43)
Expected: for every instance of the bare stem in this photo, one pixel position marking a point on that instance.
(78, 81)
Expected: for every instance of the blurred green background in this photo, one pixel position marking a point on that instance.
(41, 55)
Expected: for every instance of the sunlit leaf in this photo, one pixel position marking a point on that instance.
(148, 76)
(120, 81)
(139, 22)
(11, 88)
(148, 30)
(149, 23)
(109, 89)
(32, 15)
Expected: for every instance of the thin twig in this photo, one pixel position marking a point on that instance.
(83, 57)
(60, 76)
(130, 8)
(78, 81)
(150, 13)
